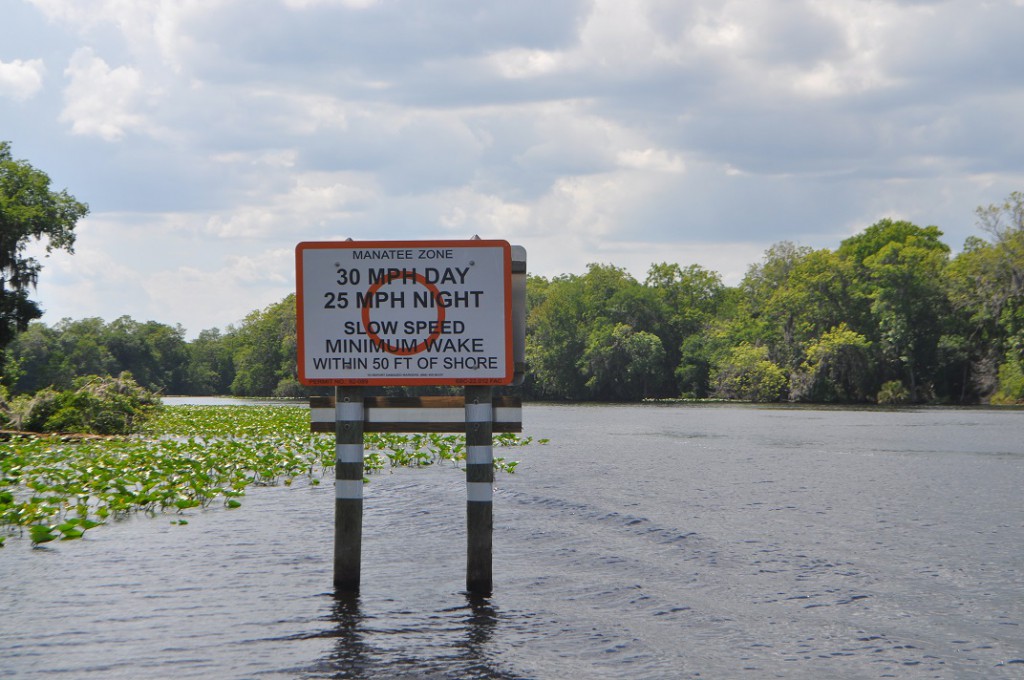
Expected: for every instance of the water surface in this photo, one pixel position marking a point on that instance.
(642, 542)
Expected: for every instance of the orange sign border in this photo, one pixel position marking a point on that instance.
(462, 378)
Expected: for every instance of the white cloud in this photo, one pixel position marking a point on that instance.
(67, 10)
(310, 113)
(221, 295)
(99, 100)
(655, 160)
(314, 201)
(274, 158)
(525, 63)
(154, 31)
(160, 269)
(465, 213)
(612, 34)
(131, 18)
(21, 80)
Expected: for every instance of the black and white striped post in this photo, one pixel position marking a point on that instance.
(348, 488)
(351, 414)
(479, 489)
(465, 325)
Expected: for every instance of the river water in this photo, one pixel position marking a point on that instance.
(641, 542)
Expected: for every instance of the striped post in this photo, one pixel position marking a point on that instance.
(479, 488)
(348, 488)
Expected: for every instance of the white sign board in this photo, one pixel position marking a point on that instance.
(404, 312)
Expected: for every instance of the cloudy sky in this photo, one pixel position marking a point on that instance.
(211, 136)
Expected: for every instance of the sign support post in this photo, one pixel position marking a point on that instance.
(479, 489)
(348, 488)
(412, 313)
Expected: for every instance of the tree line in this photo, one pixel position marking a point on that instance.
(888, 316)
(254, 359)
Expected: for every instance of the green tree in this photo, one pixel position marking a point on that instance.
(155, 354)
(838, 368)
(899, 267)
(701, 352)
(794, 296)
(35, 359)
(558, 328)
(84, 346)
(29, 211)
(777, 304)
(1011, 381)
(880, 234)
(556, 338)
(620, 364)
(265, 353)
(819, 294)
(536, 293)
(698, 354)
(691, 297)
(908, 302)
(994, 289)
(981, 283)
(892, 392)
(209, 369)
(578, 314)
(748, 374)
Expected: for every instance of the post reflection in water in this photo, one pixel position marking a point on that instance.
(349, 659)
(479, 629)
(454, 642)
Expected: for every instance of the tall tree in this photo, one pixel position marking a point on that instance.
(265, 353)
(1005, 223)
(761, 322)
(154, 353)
(29, 211)
(84, 345)
(36, 359)
(838, 368)
(209, 369)
(747, 373)
(589, 325)
(621, 364)
(986, 285)
(901, 268)
(811, 292)
(690, 297)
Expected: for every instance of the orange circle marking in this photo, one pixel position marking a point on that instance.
(434, 292)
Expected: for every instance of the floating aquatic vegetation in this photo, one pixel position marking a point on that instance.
(190, 457)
